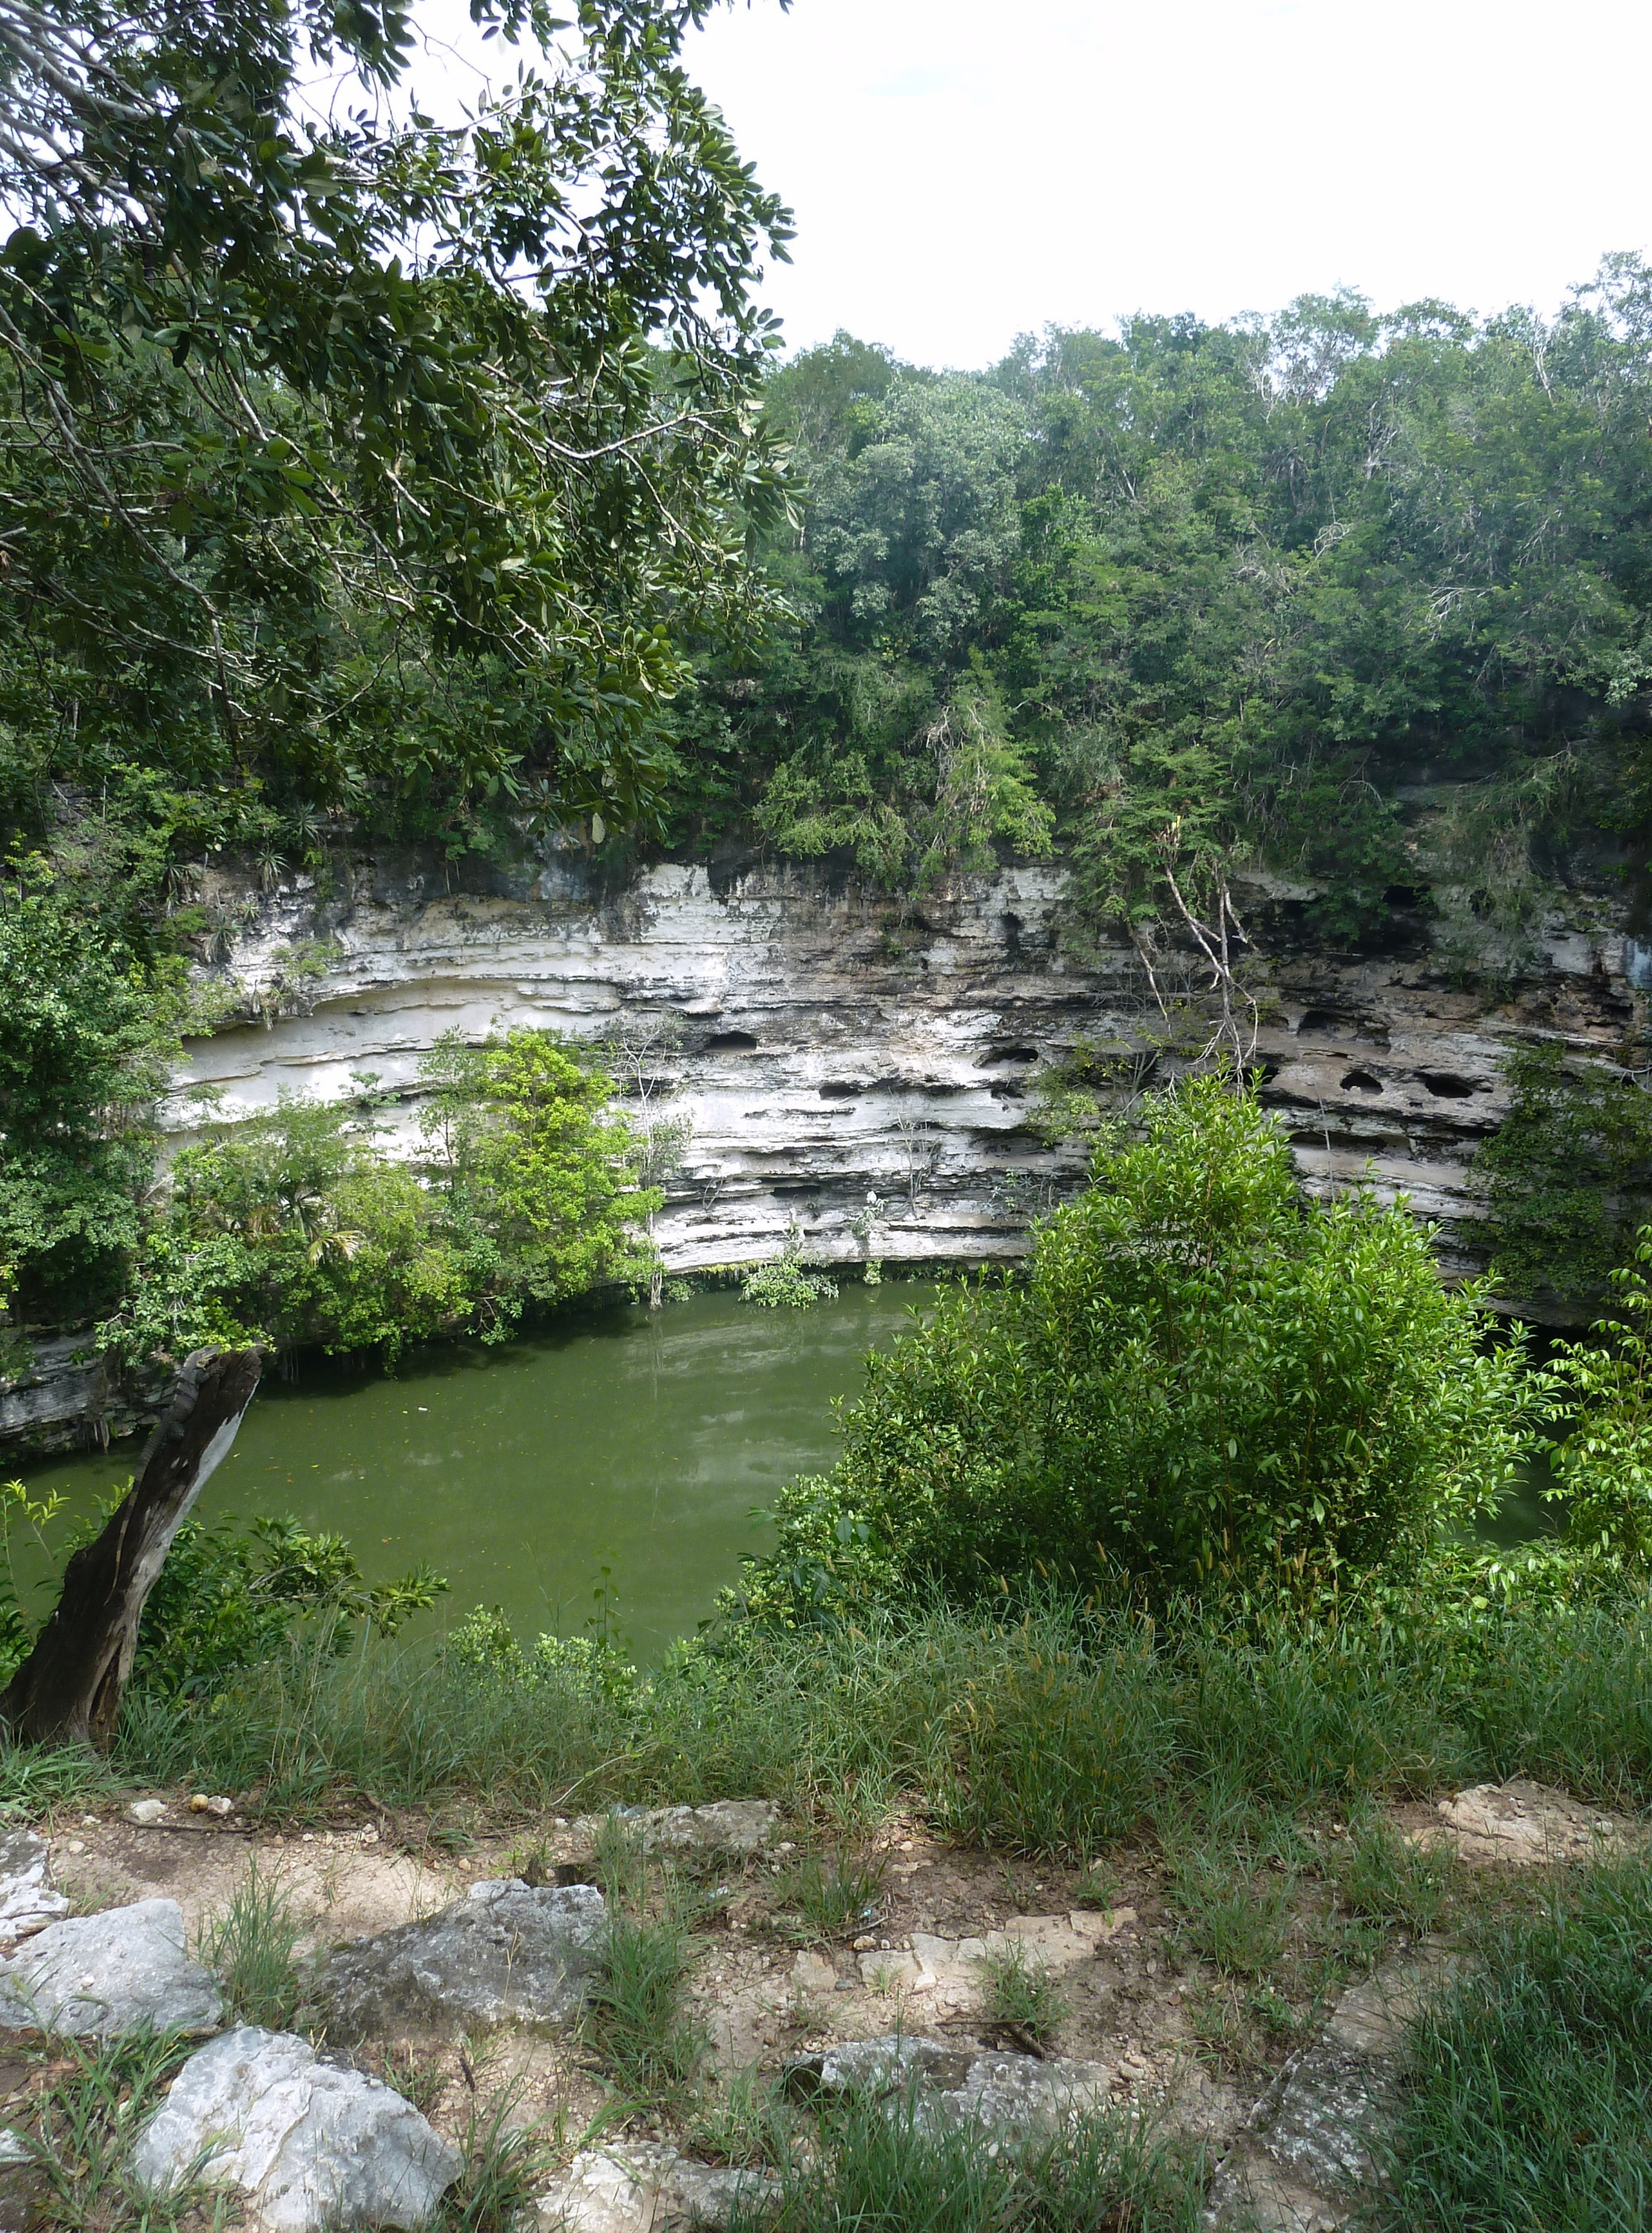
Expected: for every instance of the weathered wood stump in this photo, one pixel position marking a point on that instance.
(68, 1692)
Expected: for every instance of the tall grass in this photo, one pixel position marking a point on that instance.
(884, 2168)
(1528, 2101)
(1050, 1734)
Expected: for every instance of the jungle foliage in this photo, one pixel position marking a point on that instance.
(1190, 590)
(1567, 1177)
(360, 471)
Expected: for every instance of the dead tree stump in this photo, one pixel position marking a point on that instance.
(68, 1692)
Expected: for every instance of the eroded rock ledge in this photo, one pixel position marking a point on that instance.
(837, 1042)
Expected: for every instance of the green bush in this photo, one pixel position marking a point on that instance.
(1567, 1175)
(1206, 1384)
(296, 1227)
(1602, 1468)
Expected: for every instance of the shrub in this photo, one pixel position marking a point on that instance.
(1567, 1175)
(1206, 1384)
(1602, 1468)
(297, 1227)
(786, 1283)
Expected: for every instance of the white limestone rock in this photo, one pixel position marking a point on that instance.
(735, 1827)
(1011, 2094)
(505, 1954)
(306, 2146)
(28, 1902)
(101, 1974)
(1523, 1825)
(647, 2188)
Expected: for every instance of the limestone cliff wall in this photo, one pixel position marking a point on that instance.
(838, 1044)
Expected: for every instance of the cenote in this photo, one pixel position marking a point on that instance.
(619, 1451)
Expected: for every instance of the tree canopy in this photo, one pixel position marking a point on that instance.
(364, 464)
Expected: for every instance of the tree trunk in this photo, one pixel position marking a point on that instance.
(68, 1692)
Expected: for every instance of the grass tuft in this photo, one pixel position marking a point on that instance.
(637, 2019)
(1382, 1874)
(884, 2168)
(1020, 1993)
(1528, 2094)
(832, 1895)
(249, 1949)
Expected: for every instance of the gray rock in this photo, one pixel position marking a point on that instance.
(738, 1827)
(1010, 2093)
(119, 1972)
(147, 1811)
(647, 2188)
(27, 1900)
(305, 2144)
(505, 1954)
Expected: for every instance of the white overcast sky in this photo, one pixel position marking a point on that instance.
(961, 173)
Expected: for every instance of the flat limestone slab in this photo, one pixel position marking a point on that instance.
(951, 2083)
(101, 1975)
(1523, 1825)
(736, 1827)
(647, 2188)
(505, 1954)
(28, 1902)
(307, 2147)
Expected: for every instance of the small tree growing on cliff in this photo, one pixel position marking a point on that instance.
(640, 1051)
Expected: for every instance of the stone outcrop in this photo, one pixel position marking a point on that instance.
(737, 1827)
(949, 2082)
(505, 1954)
(96, 1976)
(838, 1044)
(28, 1902)
(646, 2186)
(304, 2146)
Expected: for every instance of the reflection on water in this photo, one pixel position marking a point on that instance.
(621, 1450)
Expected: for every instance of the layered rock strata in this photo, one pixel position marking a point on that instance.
(838, 1044)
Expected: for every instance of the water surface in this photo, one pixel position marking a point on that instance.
(621, 1451)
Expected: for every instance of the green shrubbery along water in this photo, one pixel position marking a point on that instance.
(297, 1227)
(1207, 1384)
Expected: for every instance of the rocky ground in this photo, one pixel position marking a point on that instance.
(443, 1981)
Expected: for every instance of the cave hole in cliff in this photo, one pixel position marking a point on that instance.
(1324, 1022)
(730, 1043)
(1446, 1086)
(1361, 1081)
(835, 1090)
(1016, 1053)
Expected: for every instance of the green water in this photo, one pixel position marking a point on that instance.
(623, 1441)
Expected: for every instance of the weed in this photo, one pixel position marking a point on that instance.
(504, 2164)
(620, 1860)
(748, 2122)
(636, 2020)
(1020, 1993)
(250, 1949)
(1097, 1886)
(1233, 1915)
(417, 2077)
(1527, 2083)
(101, 2094)
(881, 2168)
(1382, 1875)
(832, 1897)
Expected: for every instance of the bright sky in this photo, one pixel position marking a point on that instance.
(962, 173)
